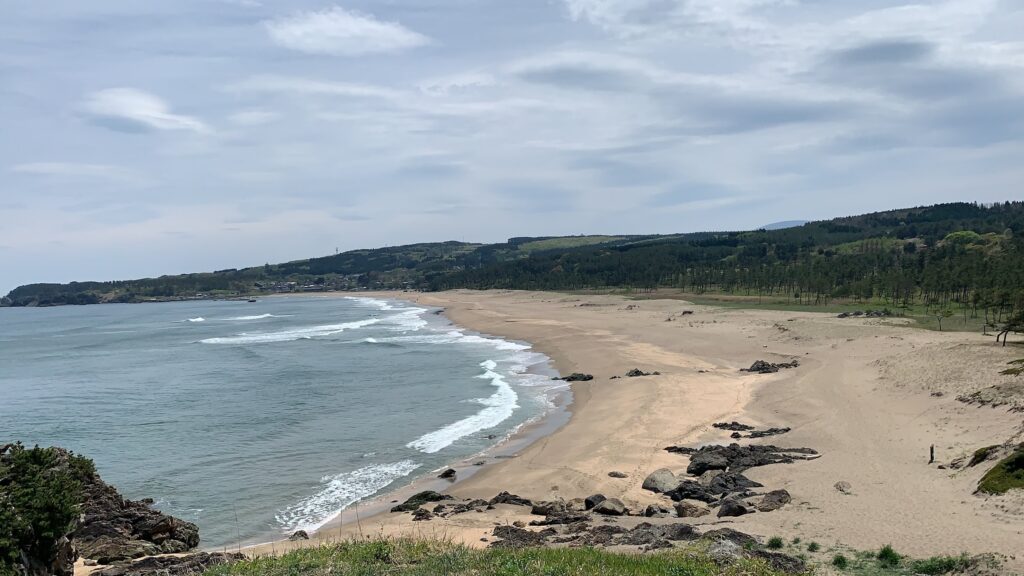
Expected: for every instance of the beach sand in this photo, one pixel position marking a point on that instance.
(871, 395)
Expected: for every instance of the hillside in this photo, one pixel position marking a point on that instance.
(962, 253)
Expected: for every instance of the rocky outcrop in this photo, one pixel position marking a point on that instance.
(736, 458)
(590, 501)
(420, 499)
(171, 565)
(115, 529)
(448, 474)
(686, 509)
(512, 499)
(577, 377)
(731, 508)
(636, 373)
(762, 367)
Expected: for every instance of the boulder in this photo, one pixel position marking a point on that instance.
(690, 490)
(730, 482)
(578, 377)
(703, 461)
(780, 562)
(299, 535)
(844, 487)
(661, 481)
(421, 514)
(732, 508)
(773, 501)
(420, 499)
(549, 508)
(618, 475)
(593, 500)
(656, 511)
(448, 474)
(610, 507)
(686, 509)
(725, 552)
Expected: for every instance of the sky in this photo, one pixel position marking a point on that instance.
(140, 138)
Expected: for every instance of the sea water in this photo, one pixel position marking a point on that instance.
(258, 419)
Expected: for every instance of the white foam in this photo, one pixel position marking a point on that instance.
(292, 334)
(197, 319)
(498, 408)
(341, 491)
(378, 304)
(260, 317)
(407, 320)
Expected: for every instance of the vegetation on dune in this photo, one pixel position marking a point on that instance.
(433, 558)
(39, 502)
(940, 264)
(1007, 474)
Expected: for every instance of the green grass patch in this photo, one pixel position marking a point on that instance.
(1007, 475)
(937, 565)
(813, 547)
(840, 561)
(775, 543)
(423, 558)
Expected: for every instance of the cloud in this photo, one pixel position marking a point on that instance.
(79, 170)
(133, 110)
(339, 32)
(306, 86)
(254, 117)
(881, 52)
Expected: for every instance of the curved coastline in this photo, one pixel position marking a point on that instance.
(522, 436)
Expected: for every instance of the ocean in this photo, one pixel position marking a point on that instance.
(258, 419)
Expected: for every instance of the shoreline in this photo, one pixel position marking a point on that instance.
(869, 395)
(508, 446)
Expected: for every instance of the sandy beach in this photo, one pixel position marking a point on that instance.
(870, 395)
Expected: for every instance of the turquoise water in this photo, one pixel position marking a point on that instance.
(257, 419)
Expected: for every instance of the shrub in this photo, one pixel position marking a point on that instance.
(840, 561)
(813, 547)
(39, 498)
(937, 565)
(888, 557)
(796, 540)
(775, 543)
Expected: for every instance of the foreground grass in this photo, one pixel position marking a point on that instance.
(422, 558)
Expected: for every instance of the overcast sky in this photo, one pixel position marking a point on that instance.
(139, 138)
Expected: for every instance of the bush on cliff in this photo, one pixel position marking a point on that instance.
(39, 503)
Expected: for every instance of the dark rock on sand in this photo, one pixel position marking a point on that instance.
(577, 377)
(171, 565)
(762, 367)
(657, 511)
(773, 501)
(421, 514)
(768, 432)
(733, 426)
(556, 519)
(636, 373)
(299, 535)
(420, 499)
(448, 474)
(512, 499)
(610, 507)
(843, 487)
(690, 490)
(590, 501)
(513, 537)
(660, 481)
(548, 508)
(736, 458)
(730, 482)
(732, 508)
(618, 475)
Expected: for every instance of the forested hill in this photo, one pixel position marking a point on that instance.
(966, 253)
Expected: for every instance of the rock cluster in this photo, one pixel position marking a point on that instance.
(762, 367)
(636, 373)
(726, 546)
(577, 377)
